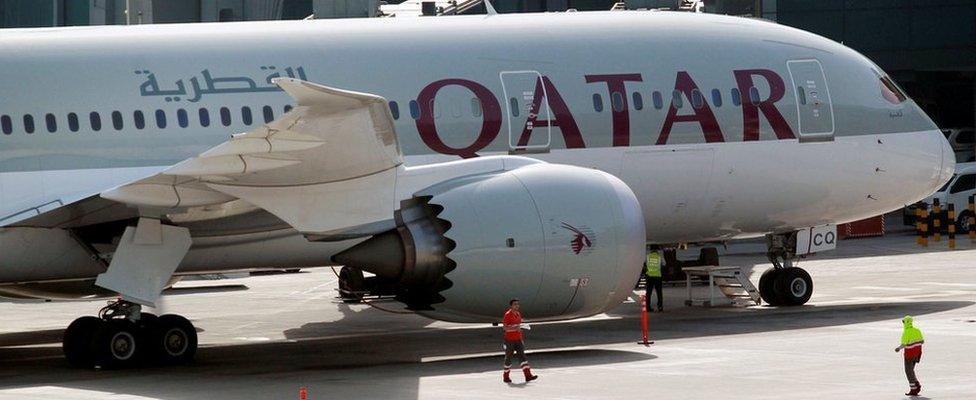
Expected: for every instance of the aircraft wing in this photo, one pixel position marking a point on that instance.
(331, 143)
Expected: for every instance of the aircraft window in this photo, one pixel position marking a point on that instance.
(433, 109)
(225, 116)
(513, 105)
(204, 117)
(617, 101)
(52, 123)
(638, 101)
(717, 97)
(754, 95)
(181, 118)
(395, 110)
(288, 108)
(736, 97)
(676, 99)
(73, 122)
(891, 92)
(117, 120)
(8, 127)
(476, 107)
(29, 123)
(597, 102)
(414, 109)
(802, 95)
(139, 119)
(658, 100)
(268, 114)
(964, 183)
(95, 119)
(161, 119)
(697, 100)
(246, 117)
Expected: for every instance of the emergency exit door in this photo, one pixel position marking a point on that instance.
(527, 111)
(815, 114)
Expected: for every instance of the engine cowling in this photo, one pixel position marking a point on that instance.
(567, 241)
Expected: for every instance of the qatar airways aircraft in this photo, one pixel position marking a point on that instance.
(469, 159)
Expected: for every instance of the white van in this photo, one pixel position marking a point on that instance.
(963, 142)
(957, 192)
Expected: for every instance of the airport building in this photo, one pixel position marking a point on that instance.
(929, 47)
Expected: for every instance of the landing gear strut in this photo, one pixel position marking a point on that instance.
(123, 336)
(784, 284)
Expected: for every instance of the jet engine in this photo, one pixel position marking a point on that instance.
(567, 242)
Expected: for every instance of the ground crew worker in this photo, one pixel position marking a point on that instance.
(652, 276)
(911, 341)
(512, 324)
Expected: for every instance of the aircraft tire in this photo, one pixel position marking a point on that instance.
(793, 287)
(118, 343)
(766, 286)
(173, 340)
(351, 282)
(77, 342)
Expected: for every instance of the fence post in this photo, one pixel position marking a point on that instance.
(924, 241)
(951, 221)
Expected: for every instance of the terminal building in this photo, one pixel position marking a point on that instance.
(929, 47)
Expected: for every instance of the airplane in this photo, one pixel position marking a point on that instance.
(468, 159)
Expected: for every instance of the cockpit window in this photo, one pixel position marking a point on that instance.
(890, 91)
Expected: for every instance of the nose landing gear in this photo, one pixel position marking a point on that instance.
(784, 284)
(122, 336)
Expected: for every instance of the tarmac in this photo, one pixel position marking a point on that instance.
(265, 337)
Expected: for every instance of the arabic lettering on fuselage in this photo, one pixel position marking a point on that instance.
(216, 85)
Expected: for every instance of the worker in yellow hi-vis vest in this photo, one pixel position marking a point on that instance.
(652, 274)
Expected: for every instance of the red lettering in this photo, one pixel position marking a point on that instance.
(561, 117)
(703, 114)
(750, 110)
(490, 125)
(621, 118)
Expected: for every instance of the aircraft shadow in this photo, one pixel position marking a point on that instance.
(205, 289)
(340, 358)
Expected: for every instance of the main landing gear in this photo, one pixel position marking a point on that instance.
(122, 336)
(784, 284)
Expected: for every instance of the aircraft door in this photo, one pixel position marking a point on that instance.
(527, 110)
(815, 114)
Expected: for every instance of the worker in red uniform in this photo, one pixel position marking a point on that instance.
(512, 325)
(911, 341)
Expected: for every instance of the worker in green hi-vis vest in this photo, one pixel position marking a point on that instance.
(911, 342)
(652, 275)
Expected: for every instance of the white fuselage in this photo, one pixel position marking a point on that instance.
(773, 129)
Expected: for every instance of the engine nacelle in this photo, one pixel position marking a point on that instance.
(567, 241)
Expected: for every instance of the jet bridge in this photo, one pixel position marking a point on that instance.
(418, 8)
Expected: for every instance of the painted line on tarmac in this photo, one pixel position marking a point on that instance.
(891, 288)
(499, 353)
(57, 392)
(970, 285)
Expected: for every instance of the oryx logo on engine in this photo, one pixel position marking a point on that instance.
(581, 238)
